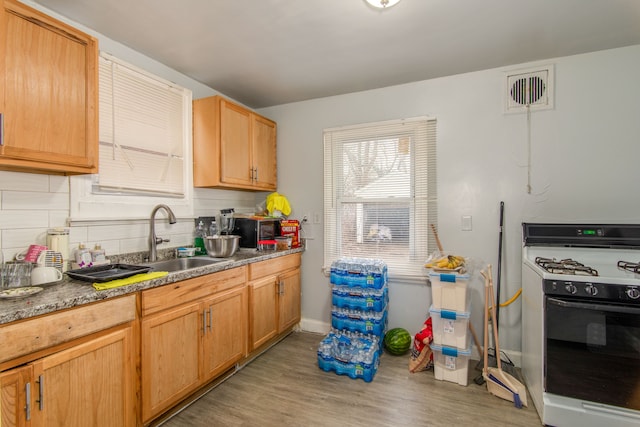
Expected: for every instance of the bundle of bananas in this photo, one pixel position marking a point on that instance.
(450, 262)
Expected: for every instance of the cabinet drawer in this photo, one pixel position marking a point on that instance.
(174, 294)
(273, 266)
(35, 334)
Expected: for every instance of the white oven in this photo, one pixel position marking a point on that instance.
(581, 323)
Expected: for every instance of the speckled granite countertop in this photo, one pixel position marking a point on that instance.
(70, 293)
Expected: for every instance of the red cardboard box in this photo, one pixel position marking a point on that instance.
(291, 227)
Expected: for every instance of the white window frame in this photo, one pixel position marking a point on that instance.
(422, 200)
(89, 203)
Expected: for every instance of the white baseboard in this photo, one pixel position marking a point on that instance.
(316, 326)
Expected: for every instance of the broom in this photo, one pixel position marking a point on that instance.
(499, 383)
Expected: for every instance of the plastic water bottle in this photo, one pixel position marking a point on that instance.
(200, 234)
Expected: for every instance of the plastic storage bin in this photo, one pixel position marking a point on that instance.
(350, 354)
(451, 364)
(450, 328)
(359, 272)
(365, 322)
(360, 299)
(449, 291)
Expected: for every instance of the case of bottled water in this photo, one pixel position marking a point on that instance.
(360, 299)
(366, 322)
(358, 318)
(349, 353)
(359, 272)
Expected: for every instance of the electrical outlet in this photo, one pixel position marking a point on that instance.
(317, 218)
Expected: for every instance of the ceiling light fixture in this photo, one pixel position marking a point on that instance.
(382, 4)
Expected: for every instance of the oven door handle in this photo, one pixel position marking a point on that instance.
(595, 307)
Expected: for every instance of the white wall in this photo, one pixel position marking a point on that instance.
(584, 167)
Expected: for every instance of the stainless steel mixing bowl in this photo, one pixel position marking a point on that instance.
(222, 246)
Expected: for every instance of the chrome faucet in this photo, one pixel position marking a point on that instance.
(154, 241)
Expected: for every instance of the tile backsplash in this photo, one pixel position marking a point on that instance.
(32, 203)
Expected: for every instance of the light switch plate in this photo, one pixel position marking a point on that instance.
(466, 223)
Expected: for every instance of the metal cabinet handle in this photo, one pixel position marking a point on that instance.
(204, 322)
(1, 129)
(256, 175)
(40, 392)
(27, 408)
(251, 174)
(210, 318)
(281, 287)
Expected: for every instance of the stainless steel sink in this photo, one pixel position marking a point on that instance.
(179, 264)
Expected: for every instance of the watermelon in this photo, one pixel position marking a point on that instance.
(397, 341)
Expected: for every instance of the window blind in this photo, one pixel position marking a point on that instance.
(380, 193)
(142, 132)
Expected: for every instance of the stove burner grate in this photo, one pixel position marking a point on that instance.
(566, 266)
(629, 266)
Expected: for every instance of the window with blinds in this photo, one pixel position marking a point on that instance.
(380, 193)
(143, 123)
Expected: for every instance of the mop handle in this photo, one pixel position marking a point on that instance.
(493, 322)
(486, 324)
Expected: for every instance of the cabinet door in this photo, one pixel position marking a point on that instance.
(170, 357)
(16, 391)
(263, 315)
(226, 335)
(235, 144)
(49, 96)
(91, 384)
(288, 299)
(264, 153)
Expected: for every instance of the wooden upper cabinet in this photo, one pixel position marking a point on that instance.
(48, 94)
(264, 153)
(233, 147)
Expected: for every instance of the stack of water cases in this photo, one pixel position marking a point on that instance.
(450, 313)
(358, 318)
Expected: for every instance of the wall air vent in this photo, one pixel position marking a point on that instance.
(530, 87)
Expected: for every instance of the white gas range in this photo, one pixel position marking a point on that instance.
(581, 323)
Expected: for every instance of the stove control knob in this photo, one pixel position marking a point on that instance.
(591, 290)
(633, 293)
(570, 288)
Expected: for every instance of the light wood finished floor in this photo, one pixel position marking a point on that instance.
(285, 387)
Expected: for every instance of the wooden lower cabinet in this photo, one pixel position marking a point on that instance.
(288, 299)
(263, 311)
(15, 386)
(274, 298)
(170, 357)
(226, 337)
(91, 384)
(186, 346)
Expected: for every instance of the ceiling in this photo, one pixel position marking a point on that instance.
(271, 52)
